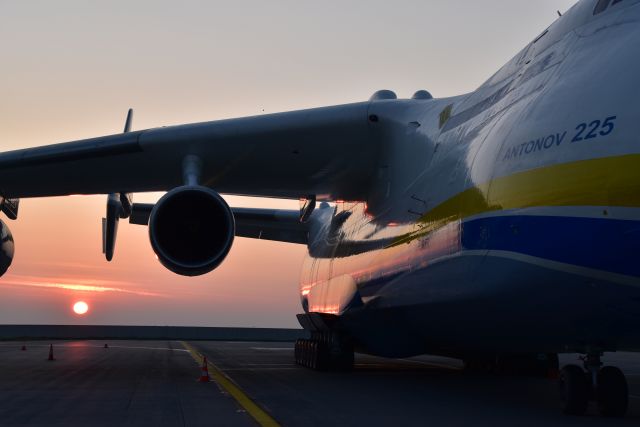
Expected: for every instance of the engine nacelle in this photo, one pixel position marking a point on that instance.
(7, 248)
(191, 230)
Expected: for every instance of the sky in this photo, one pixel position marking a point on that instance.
(71, 69)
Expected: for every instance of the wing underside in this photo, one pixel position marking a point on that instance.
(325, 152)
(265, 224)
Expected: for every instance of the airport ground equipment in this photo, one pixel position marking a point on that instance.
(504, 221)
(204, 371)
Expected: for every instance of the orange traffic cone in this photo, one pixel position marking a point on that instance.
(204, 376)
(51, 352)
(24, 347)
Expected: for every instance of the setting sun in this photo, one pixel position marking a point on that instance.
(80, 307)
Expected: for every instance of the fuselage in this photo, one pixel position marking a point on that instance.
(504, 220)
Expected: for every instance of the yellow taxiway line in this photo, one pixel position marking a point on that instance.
(258, 414)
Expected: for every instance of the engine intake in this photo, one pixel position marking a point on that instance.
(191, 230)
(7, 248)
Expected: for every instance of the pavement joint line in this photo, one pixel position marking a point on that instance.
(252, 408)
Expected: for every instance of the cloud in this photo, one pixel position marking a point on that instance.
(83, 285)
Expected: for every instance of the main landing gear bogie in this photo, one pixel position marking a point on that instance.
(324, 354)
(606, 386)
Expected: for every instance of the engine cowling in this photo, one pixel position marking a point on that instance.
(7, 248)
(191, 229)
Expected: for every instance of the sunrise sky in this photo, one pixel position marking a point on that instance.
(71, 69)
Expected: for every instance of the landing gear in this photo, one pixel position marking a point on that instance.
(311, 354)
(612, 392)
(574, 390)
(325, 351)
(607, 386)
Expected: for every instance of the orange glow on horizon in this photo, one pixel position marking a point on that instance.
(80, 308)
(83, 285)
(59, 261)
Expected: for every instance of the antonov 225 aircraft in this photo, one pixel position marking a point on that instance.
(501, 227)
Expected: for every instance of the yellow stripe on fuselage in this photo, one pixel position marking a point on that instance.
(607, 181)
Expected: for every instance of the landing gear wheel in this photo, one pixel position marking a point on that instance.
(308, 354)
(314, 355)
(575, 389)
(612, 392)
(304, 352)
(321, 355)
(298, 352)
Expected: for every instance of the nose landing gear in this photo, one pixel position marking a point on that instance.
(606, 386)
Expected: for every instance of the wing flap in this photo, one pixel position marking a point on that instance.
(271, 224)
(266, 224)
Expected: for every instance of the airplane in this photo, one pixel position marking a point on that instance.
(500, 226)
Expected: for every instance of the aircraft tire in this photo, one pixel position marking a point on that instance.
(313, 362)
(316, 354)
(296, 351)
(312, 355)
(302, 352)
(612, 393)
(575, 389)
(307, 354)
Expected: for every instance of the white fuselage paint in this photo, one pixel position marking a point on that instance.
(507, 219)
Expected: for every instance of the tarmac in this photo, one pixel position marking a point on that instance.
(155, 383)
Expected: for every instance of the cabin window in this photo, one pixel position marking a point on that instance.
(601, 6)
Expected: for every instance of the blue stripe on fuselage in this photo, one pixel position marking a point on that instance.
(598, 243)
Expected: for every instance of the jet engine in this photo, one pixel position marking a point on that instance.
(191, 230)
(6, 248)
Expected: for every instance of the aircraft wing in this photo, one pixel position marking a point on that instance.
(325, 152)
(271, 224)
(266, 224)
